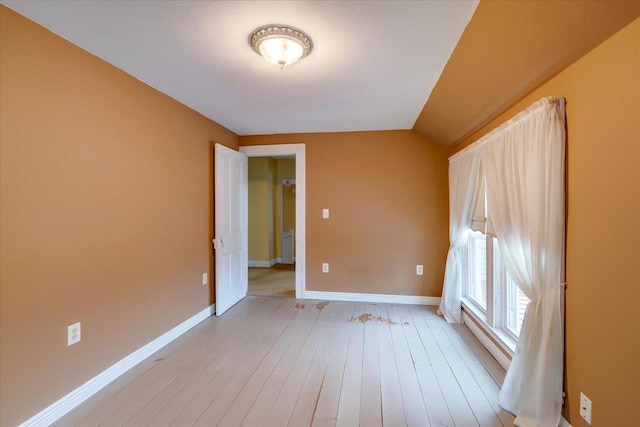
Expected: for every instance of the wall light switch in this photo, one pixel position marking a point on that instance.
(585, 408)
(325, 267)
(325, 213)
(419, 270)
(205, 278)
(73, 334)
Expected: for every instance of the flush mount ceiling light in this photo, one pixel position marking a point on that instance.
(280, 45)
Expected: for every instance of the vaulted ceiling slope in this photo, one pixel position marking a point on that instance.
(508, 49)
(373, 64)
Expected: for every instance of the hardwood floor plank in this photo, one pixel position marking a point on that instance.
(189, 404)
(326, 410)
(262, 359)
(496, 371)
(478, 402)
(392, 405)
(434, 401)
(349, 405)
(486, 382)
(414, 406)
(305, 406)
(277, 361)
(271, 391)
(293, 387)
(370, 395)
(459, 408)
(221, 389)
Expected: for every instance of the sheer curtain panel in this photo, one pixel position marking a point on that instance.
(523, 163)
(464, 179)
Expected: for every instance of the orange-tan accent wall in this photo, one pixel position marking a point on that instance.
(105, 219)
(284, 203)
(603, 226)
(261, 206)
(387, 196)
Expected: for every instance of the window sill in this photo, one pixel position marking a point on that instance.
(506, 343)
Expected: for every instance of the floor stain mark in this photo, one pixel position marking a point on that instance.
(159, 360)
(387, 321)
(368, 317)
(363, 318)
(321, 305)
(300, 306)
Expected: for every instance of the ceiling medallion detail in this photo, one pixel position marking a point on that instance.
(281, 45)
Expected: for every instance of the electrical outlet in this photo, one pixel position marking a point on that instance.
(325, 267)
(419, 270)
(585, 408)
(205, 278)
(73, 334)
(325, 213)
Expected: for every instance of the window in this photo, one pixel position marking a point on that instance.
(477, 271)
(516, 306)
(488, 287)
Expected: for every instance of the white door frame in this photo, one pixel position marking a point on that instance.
(298, 151)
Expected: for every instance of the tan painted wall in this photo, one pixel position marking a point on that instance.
(387, 192)
(262, 179)
(285, 202)
(288, 208)
(106, 191)
(603, 229)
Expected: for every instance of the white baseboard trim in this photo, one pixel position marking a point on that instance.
(491, 347)
(261, 264)
(358, 297)
(264, 264)
(60, 408)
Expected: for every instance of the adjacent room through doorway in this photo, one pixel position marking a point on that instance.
(272, 224)
(276, 281)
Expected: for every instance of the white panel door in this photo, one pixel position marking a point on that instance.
(231, 227)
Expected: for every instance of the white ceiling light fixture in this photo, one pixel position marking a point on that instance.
(281, 45)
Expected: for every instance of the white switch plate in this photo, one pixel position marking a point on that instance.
(73, 334)
(325, 267)
(325, 213)
(419, 269)
(585, 408)
(205, 278)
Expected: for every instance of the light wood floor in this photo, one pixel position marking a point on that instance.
(287, 362)
(277, 281)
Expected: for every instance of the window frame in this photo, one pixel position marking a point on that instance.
(495, 316)
(468, 272)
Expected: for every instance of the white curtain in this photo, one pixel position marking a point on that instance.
(523, 163)
(464, 177)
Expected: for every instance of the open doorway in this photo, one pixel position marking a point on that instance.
(292, 230)
(271, 218)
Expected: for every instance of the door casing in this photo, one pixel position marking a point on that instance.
(297, 151)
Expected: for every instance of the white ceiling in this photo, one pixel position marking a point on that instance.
(373, 66)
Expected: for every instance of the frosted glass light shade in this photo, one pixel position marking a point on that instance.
(280, 45)
(281, 51)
